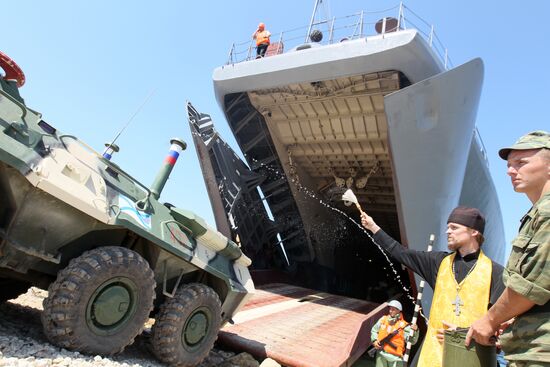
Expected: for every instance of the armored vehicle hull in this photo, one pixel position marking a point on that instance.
(109, 252)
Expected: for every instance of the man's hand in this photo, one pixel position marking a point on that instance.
(499, 316)
(414, 327)
(440, 333)
(377, 345)
(505, 325)
(482, 331)
(368, 223)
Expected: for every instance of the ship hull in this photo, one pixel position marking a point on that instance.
(379, 115)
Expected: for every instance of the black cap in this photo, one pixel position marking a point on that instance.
(469, 217)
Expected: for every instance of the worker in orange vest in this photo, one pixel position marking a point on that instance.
(390, 335)
(261, 35)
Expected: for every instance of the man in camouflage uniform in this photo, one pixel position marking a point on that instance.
(526, 342)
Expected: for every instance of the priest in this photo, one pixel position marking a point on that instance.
(465, 281)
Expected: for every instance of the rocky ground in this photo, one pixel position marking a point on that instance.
(22, 343)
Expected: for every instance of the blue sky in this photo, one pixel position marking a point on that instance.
(91, 64)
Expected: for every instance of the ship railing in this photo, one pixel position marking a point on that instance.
(358, 25)
(481, 146)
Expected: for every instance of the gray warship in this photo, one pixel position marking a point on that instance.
(369, 101)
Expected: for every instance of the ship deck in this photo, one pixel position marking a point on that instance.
(300, 327)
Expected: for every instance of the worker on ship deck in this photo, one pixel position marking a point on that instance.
(261, 35)
(390, 335)
(465, 281)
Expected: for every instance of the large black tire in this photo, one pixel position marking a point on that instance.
(100, 301)
(187, 326)
(11, 288)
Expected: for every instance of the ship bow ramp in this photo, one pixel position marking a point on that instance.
(379, 115)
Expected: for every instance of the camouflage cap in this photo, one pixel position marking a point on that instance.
(534, 140)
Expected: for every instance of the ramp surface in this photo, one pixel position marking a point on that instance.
(300, 327)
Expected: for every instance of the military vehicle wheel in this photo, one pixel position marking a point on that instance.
(12, 289)
(187, 326)
(100, 301)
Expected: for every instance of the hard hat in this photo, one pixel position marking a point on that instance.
(396, 304)
(261, 25)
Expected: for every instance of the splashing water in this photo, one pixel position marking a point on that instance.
(354, 200)
(349, 199)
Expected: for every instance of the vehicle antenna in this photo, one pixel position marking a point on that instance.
(108, 146)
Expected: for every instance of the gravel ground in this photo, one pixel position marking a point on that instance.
(22, 343)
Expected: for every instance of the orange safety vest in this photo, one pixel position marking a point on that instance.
(262, 38)
(398, 340)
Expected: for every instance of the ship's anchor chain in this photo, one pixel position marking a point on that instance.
(292, 171)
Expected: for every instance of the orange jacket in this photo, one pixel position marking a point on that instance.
(262, 37)
(398, 340)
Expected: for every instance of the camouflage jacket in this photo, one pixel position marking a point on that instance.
(528, 273)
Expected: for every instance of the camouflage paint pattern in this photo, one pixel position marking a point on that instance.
(528, 273)
(61, 198)
(533, 140)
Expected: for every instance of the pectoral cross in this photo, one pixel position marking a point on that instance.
(457, 303)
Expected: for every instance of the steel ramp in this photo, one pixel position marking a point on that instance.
(300, 327)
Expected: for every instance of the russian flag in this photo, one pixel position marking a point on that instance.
(172, 157)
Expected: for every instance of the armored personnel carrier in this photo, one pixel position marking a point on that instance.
(110, 254)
